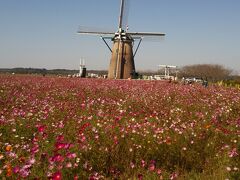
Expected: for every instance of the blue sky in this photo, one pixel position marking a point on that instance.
(42, 33)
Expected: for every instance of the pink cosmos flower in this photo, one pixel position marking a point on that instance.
(143, 163)
(140, 176)
(76, 177)
(31, 161)
(16, 169)
(68, 165)
(57, 176)
(59, 146)
(233, 153)
(56, 158)
(41, 128)
(24, 172)
(132, 165)
(35, 149)
(159, 171)
(83, 105)
(152, 165)
(173, 176)
(71, 155)
(60, 138)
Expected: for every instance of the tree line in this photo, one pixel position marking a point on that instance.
(43, 71)
(212, 72)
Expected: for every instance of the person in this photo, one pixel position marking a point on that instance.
(205, 82)
(170, 80)
(183, 80)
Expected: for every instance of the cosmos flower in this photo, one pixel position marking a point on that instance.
(84, 128)
(233, 153)
(57, 176)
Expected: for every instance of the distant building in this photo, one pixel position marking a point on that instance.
(82, 69)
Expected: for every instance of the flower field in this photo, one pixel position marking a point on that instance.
(66, 128)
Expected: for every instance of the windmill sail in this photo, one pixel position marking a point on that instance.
(142, 34)
(124, 11)
(95, 31)
(147, 36)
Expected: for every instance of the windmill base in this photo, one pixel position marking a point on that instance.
(122, 61)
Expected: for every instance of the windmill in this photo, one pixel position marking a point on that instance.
(122, 60)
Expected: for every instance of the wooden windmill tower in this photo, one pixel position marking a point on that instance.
(122, 61)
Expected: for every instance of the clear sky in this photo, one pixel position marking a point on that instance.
(42, 33)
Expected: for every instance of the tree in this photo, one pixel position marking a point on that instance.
(212, 72)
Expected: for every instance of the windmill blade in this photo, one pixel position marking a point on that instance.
(95, 31)
(124, 12)
(143, 34)
(147, 36)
